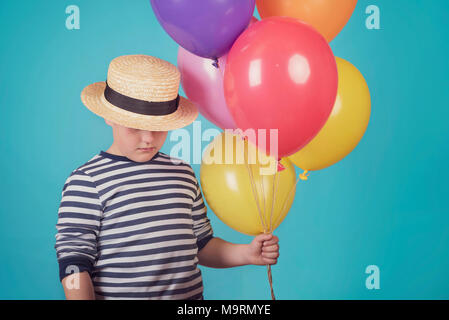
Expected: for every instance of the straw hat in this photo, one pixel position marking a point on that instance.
(141, 92)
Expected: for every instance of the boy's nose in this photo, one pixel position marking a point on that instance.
(147, 136)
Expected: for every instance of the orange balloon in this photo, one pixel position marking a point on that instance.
(327, 16)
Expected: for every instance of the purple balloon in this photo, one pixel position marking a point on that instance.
(207, 28)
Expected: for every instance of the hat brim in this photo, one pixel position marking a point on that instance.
(93, 98)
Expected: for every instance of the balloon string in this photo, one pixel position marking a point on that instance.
(256, 197)
(275, 187)
(287, 199)
(270, 276)
(302, 176)
(262, 187)
(253, 186)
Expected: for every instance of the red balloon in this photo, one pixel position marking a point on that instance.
(281, 74)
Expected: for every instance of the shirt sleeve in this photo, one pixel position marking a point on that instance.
(78, 225)
(201, 224)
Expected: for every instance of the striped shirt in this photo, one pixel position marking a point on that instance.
(136, 227)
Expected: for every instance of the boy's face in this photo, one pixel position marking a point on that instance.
(137, 145)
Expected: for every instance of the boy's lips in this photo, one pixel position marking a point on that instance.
(147, 149)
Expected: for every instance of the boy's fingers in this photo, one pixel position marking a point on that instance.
(270, 255)
(262, 238)
(269, 243)
(272, 241)
(270, 261)
(272, 248)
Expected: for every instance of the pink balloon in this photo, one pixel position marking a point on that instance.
(203, 85)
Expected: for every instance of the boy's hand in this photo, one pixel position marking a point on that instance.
(263, 250)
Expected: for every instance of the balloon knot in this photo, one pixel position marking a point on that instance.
(304, 175)
(215, 63)
(280, 166)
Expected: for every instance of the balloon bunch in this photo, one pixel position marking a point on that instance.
(277, 76)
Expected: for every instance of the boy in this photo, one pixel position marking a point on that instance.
(132, 223)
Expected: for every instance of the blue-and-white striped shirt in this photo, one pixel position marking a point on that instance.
(135, 227)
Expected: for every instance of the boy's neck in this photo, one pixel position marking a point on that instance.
(114, 150)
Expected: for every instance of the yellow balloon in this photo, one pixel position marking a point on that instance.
(239, 184)
(345, 126)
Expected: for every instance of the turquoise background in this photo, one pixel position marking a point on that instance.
(386, 204)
